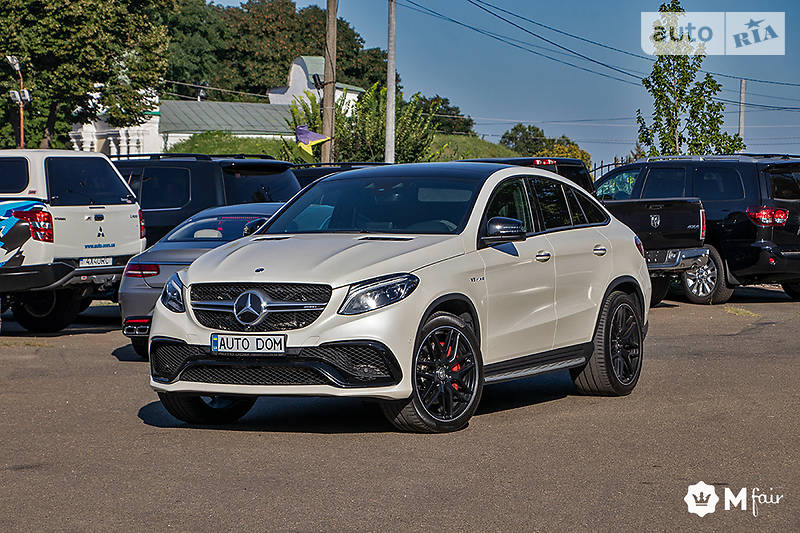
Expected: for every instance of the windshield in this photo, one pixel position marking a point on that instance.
(244, 186)
(221, 228)
(380, 205)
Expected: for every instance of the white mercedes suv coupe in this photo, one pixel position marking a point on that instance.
(412, 284)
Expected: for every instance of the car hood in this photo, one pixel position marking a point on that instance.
(333, 259)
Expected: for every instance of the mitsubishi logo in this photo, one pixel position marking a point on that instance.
(250, 307)
(655, 220)
(100, 232)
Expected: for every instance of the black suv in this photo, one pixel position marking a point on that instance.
(572, 169)
(752, 204)
(308, 173)
(172, 187)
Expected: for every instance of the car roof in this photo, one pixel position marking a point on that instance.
(736, 158)
(257, 208)
(525, 161)
(453, 169)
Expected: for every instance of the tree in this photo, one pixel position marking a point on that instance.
(360, 134)
(523, 139)
(446, 124)
(82, 59)
(560, 149)
(686, 118)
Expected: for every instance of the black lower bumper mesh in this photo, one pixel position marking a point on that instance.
(257, 375)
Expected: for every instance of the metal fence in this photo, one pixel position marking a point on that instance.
(602, 168)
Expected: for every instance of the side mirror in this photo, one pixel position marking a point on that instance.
(252, 226)
(502, 229)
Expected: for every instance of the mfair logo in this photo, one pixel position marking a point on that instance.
(701, 499)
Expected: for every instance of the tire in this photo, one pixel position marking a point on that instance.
(140, 347)
(614, 367)
(792, 288)
(707, 284)
(206, 410)
(46, 311)
(446, 375)
(660, 290)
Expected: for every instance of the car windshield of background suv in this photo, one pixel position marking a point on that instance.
(380, 205)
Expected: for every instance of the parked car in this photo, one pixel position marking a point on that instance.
(414, 284)
(672, 230)
(573, 169)
(173, 187)
(309, 173)
(752, 204)
(146, 273)
(68, 225)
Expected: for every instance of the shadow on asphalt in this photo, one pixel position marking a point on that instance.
(744, 295)
(96, 319)
(348, 415)
(126, 354)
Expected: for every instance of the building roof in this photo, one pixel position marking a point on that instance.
(316, 65)
(185, 116)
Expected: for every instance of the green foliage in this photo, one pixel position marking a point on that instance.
(81, 59)
(446, 124)
(530, 140)
(223, 142)
(360, 136)
(449, 147)
(686, 119)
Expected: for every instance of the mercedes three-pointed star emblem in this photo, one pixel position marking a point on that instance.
(250, 307)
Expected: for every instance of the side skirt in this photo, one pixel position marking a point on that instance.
(530, 365)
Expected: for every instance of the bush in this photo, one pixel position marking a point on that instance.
(223, 142)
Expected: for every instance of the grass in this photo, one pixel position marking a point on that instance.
(221, 142)
(451, 147)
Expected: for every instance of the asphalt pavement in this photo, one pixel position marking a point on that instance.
(86, 446)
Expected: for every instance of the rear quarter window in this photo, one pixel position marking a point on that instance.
(84, 181)
(13, 175)
(785, 185)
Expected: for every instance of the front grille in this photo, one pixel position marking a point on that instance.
(342, 364)
(274, 321)
(278, 292)
(359, 360)
(300, 293)
(253, 375)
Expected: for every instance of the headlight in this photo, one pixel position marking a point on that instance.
(377, 293)
(172, 297)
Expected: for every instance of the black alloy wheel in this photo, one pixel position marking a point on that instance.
(625, 344)
(445, 373)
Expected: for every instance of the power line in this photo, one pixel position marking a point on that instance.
(632, 54)
(196, 86)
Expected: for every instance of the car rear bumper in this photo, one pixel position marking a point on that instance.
(58, 274)
(667, 261)
(768, 264)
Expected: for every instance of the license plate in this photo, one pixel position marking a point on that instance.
(248, 343)
(95, 262)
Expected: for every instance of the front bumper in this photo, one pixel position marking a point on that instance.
(59, 273)
(392, 330)
(668, 261)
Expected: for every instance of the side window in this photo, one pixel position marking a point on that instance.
(593, 213)
(133, 177)
(619, 186)
(164, 188)
(510, 200)
(575, 209)
(552, 203)
(665, 183)
(718, 183)
(13, 174)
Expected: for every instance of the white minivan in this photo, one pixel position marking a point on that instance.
(68, 225)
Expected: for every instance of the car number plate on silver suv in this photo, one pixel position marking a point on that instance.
(222, 343)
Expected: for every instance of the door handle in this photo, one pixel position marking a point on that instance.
(599, 250)
(543, 256)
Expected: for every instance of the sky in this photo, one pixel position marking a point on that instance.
(500, 85)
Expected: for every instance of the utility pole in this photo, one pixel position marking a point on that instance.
(742, 84)
(329, 86)
(20, 98)
(391, 86)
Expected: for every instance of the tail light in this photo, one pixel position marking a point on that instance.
(537, 162)
(141, 270)
(702, 224)
(768, 216)
(40, 223)
(141, 225)
(639, 245)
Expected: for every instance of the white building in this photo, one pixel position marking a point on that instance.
(177, 120)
